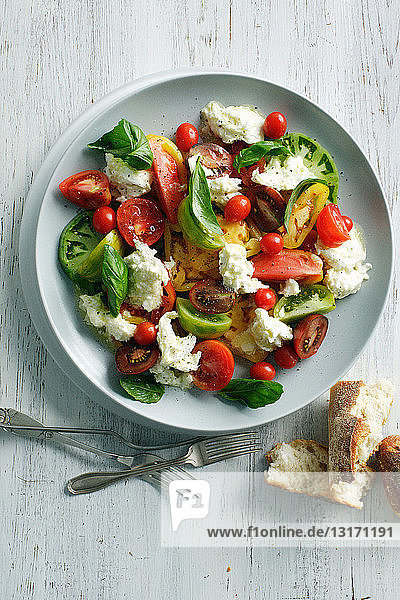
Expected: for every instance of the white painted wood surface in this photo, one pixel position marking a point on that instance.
(56, 58)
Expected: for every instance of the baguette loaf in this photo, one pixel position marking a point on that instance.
(389, 462)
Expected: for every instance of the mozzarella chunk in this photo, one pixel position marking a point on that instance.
(96, 314)
(223, 189)
(268, 332)
(146, 277)
(237, 271)
(283, 176)
(176, 352)
(131, 183)
(342, 283)
(173, 377)
(233, 123)
(289, 288)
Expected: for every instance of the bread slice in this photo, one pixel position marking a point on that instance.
(389, 461)
(301, 466)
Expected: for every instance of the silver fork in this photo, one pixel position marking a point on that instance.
(200, 454)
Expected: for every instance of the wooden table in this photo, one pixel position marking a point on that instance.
(56, 59)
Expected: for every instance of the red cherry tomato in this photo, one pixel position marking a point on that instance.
(331, 227)
(309, 334)
(87, 189)
(348, 222)
(186, 136)
(265, 298)
(167, 303)
(263, 370)
(140, 218)
(286, 357)
(271, 243)
(216, 366)
(145, 333)
(104, 219)
(275, 125)
(237, 208)
(132, 358)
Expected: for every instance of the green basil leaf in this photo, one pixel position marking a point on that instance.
(143, 388)
(200, 202)
(126, 141)
(253, 393)
(249, 156)
(114, 277)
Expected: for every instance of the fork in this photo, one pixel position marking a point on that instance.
(200, 454)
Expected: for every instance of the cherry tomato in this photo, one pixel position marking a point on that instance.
(265, 298)
(140, 218)
(310, 241)
(169, 187)
(275, 125)
(286, 357)
(132, 358)
(145, 333)
(331, 227)
(271, 243)
(348, 222)
(186, 136)
(167, 303)
(216, 366)
(262, 370)
(104, 219)
(87, 189)
(210, 296)
(213, 157)
(309, 334)
(237, 208)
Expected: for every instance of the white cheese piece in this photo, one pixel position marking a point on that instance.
(223, 189)
(289, 288)
(283, 176)
(268, 332)
(176, 352)
(344, 282)
(146, 277)
(131, 183)
(237, 271)
(96, 314)
(233, 123)
(172, 377)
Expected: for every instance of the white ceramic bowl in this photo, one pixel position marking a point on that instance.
(158, 103)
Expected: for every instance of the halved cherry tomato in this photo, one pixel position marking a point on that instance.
(310, 241)
(265, 298)
(275, 125)
(288, 264)
(309, 334)
(140, 218)
(132, 358)
(331, 227)
(87, 189)
(104, 219)
(211, 297)
(169, 187)
(167, 303)
(214, 158)
(271, 243)
(237, 208)
(262, 370)
(145, 333)
(186, 136)
(348, 222)
(269, 207)
(285, 357)
(216, 366)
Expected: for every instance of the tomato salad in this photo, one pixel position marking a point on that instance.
(228, 243)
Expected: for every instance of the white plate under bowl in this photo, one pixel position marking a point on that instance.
(158, 103)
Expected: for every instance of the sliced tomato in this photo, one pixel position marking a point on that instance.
(87, 189)
(288, 264)
(216, 366)
(167, 303)
(309, 334)
(210, 296)
(310, 241)
(331, 227)
(133, 358)
(169, 187)
(214, 158)
(140, 218)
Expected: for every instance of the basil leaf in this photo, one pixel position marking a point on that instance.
(114, 276)
(143, 388)
(249, 156)
(252, 392)
(200, 202)
(126, 141)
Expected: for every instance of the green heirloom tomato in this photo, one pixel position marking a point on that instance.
(77, 241)
(312, 299)
(202, 325)
(90, 269)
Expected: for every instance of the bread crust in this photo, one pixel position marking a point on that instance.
(389, 462)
